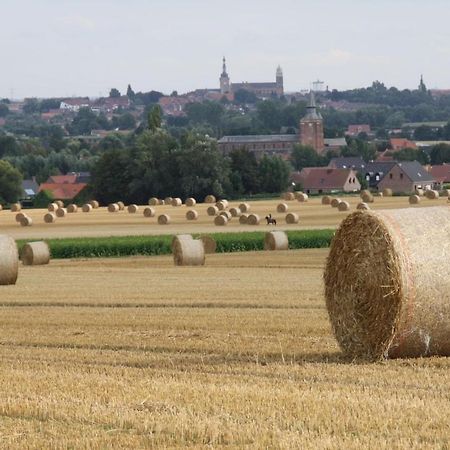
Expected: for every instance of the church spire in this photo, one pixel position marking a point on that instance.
(224, 67)
(311, 109)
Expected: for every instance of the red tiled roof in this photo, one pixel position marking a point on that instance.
(399, 143)
(441, 173)
(356, 129)
(63, 191)
(324, 178)
(62, 179)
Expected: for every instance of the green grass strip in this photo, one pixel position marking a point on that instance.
(115, 246)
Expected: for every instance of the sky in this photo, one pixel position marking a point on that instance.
(63, 48)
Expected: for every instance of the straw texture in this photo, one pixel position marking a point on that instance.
(35, 253)
(362, 206)
(414, 199)
(153, 201)
(176, 202)
(72, 208)
(282, 207)
(253, 219)
(26, 221)
(245, 207)
(212, 210)
(243, 219)
(335, 202)
(16, 207)
(50, 217)
(276, 240)
(133, 209)
(61, 212)
(164, 219)
(113, 207)
(210, 199)
(192, 214)
(326, 200)
(149, 212)
(209, 244)
(86, 208)
(288, 196)
(344, 206)
(9, 260)
(53, 207)
(189, 253)
(292, 218)
(302, 197)
(220, 220)
(190, 202)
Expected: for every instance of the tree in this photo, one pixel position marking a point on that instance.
(130, 93)
(244, 166)
(154, 119)
(440, 154)
(42, 199)
(304, 156)
(10, 183)
(273, 174)
(4, 110)
(412, 154)
(114, 93)
(242, 96)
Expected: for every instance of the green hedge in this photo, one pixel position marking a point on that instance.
(160, 245)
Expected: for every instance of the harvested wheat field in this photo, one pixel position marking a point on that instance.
(100, 222)
(139, 353)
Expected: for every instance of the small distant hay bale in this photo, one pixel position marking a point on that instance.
(35, 254)
(9, 260)
(226, 214)
(235, 212)
(212, 210)
(149, 212)
(367, 197)
(220, 220)
(153, 201)
(210, 199)
(162, 202)
(302, 197)
(163, 219)
(292, 218)
(282, 207)
(253, 219)
(383, 300)
(326, 200)
(72, 208)
(335, 202)
(20, 216)
(419, 192)
(387, 192)
(176, 202)
(95, 204)
(50, 217)
(378, 194)
(86, 208)
(26, 221)
(168, 200)
(121, 206)
(297, 194)
(276, 240)
(60, 203)
(414, 199)
(16, 207)
(190, 202)
(364, 192)
(192, 214)
(245, 207)
(61, 212)
(53, 207)
(432, 194)
(180, 237)
(209, 244)
(133, 209)
(243, 219)
(344, 206)
(222, 205)
(189, 253)
(362, 206)
(288, 196)
(113, 207)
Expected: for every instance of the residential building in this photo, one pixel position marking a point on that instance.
(74, 104)
(401, 143)
(355, 130)
(440, 173)
(375, 171)
(406, 177)
(63, 191)
(311, 127)
(29, 189)
(347, 162)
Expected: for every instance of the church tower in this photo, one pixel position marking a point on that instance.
(311, 127)
(224, 79)
(279, 81)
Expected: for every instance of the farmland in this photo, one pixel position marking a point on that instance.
(137, 353)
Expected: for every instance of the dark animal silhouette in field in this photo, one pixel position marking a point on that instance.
(271, 220)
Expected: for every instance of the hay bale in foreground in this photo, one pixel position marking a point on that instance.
(282, 207)
(387, 192)
(292, 218)
(86, 208)
(72, 208)
(149, 212)
(176, 202)
(209, 244)
(190, 202)
(253, 219)
(414, 199)
(210, 199)
(335, 202)
(235, 212)
(153, 201)
(382, 298)
(276, 240)
(16, 207)
(61, 212)
(26, 221)
(113, 208)
(363, 206)
(302, 197)
(243, 219)
(50, 217)
(53, 207)
(212, 211)
(9, 260)
(192, 214)
(432, 194)
(133, 209)
(163, 219)
(121, 206)
(189, 253)
(35, 253)
(220, 220)
(326, 200)
(344, 206)
(180, 237)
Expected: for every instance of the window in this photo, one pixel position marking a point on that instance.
(391, 176)
(377, 177)
(401, 176)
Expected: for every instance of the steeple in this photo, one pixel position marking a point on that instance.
(224, 79)
(311, 109)
(422, 87)
(311, 127)
(224, 67)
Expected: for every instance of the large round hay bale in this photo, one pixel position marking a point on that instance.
(113, 207)
(50, 217)
(9, 260)
(16, 207)
(414, 199)
(335, 202)
(302, 197)
(61, 212)
(226, 214)
(149, 212)
(382, 298)
(220, 220)
(235, 212)
(212, 210)
(292, 218)
(362, 206)
(282, 207)
(288, 196)
(253, 219)
(19, 216)
(431, 194)
(222, 205)
(245, 207)
(26, 221)
(367, 197)
(210, 199)
(53, 207)
(153, 201)
(60, 203)
(344, 206)
(86, 208)
(121, 206)
(168, 200)
(387, 192)
(243, 219)
(1, 207)
(72, 208)
(190, 202)
(163, 219)
(176, 202)
(133, 209)
(95, 204)
(209, 244)
(192, 214)
(180, 237)
(276, 240)
(189, 253)
(35, 253)
(326, 200)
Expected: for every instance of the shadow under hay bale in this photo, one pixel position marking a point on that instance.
(9, 261)
(35, 253)
(386, 288)
(276, 240)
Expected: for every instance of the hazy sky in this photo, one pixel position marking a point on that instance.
(85, 47)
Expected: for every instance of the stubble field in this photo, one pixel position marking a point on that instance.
(137, 353)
